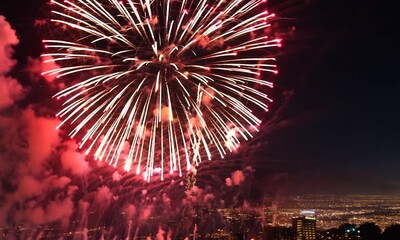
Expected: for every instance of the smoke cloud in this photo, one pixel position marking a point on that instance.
(31, 192)
(10, 89)
(236, 179)
(73, 160)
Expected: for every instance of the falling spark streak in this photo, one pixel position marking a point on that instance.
(160, 84)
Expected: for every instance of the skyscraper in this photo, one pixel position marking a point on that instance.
(305, 226)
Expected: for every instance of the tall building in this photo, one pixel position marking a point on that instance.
(305, 227)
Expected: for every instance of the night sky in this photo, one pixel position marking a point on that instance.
(343, 120)
(339, 132)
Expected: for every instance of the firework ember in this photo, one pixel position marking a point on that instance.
(159, 85)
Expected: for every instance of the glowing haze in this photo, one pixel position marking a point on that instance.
(158, 86)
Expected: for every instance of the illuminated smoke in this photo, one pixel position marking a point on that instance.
(236, 179)
(10, 89)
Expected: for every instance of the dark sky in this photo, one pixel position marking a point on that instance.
(340, 129)
(343, 120)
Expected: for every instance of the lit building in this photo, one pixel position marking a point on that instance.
(305, 226)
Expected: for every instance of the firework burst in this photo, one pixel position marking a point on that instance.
(160, 85)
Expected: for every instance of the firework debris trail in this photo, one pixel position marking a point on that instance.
(159, 86)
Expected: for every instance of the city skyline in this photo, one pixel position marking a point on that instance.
(326, 211)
